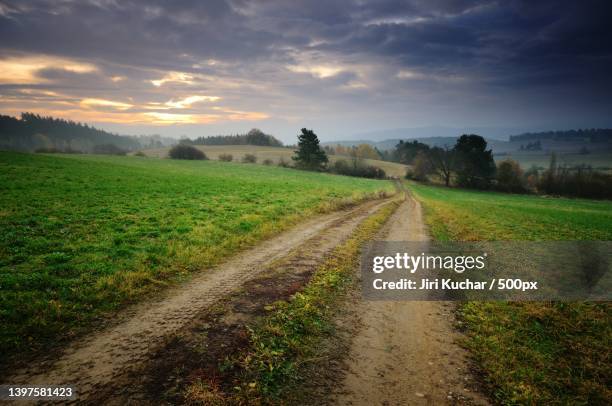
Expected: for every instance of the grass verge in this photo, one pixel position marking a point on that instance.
(530, 352)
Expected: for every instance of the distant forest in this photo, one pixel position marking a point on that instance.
(33, 132)
(589, 135)
(253, 137)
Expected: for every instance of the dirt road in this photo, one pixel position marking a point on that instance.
(405, 352)
(96, 361)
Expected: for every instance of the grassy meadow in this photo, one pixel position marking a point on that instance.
(82, 235)
(530, 352)
(274, 154)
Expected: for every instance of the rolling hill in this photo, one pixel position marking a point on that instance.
(274, 154)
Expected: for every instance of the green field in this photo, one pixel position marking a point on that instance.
(83, 234)
(530, 353)
(275, 154)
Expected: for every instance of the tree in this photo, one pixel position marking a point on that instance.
(367, 152)
(442, 162)
(475, 165)
(406, 152)
(309, 154)
(421, 166)
(510, 176)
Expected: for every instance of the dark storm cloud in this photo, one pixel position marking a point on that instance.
(433, 51)
(538, 37)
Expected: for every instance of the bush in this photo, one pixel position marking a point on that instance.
(421, 166)
(141, 154)
(51, 150)
(226, 157)
(267, 162)
(409, 174)
(509, 177)
(342, 167)
(284, 164)
(576, 182)
(183, 151)
(249, 159)
(108, 149)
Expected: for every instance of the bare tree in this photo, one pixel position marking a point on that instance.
(443, 162)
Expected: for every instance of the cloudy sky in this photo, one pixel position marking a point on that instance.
(340, 67)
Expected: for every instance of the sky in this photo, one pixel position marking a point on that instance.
(343, 68)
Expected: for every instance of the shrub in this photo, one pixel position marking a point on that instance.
(50, 150)
(283, 164)
(509, 176)
(409, 174)
(342, 167)
(141, 154)
(249, 159)
(108, 149)
(267, 162)
(53, 150)
(576, 182)
(226, 157)
(183, 151)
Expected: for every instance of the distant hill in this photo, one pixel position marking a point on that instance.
(32, 132)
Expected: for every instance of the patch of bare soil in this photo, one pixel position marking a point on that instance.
(406, 352)
(108, 365)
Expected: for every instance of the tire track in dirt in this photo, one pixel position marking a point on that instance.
(406, 352)
(95, 361)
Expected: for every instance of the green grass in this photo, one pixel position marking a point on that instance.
(463, 215)
(82, 235)
(530, 352)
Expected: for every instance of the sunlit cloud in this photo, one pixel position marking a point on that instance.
(397, 20)
(93, 103)
(188, 101)
(170, 118)
(413, 75)
(238, 115)
(408, 74)
(319, 71)
(176, 77)
(25, 69)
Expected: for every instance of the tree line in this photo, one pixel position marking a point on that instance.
(33, 132)
(470, 164)
(253, 137)
(591, 134)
